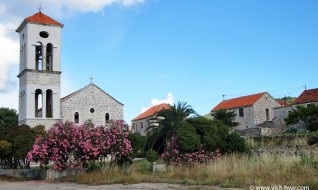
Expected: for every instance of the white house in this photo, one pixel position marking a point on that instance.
(142, 121)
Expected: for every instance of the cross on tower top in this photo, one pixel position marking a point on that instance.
(91, 79)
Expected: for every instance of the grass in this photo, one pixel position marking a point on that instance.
(229, 171)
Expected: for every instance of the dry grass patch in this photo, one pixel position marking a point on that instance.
(229, 171)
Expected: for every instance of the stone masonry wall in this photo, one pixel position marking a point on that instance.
(91, 97)
(266, 101)
(140, 128)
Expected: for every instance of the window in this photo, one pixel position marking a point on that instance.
(92, 110)
(267, 114)
(309, 105)
(38, 56)
(44, 34)
(49, 103)
(241, 112)
(107, 117)
(38, 103)
(49, 57)
(142, 125)
(76, 117)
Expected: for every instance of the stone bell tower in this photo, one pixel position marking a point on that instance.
(40, 70)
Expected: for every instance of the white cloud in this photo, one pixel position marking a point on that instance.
(9, 49)
(58, 8)
(169, 100)
(10, 99)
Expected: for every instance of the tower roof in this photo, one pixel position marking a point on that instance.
(39, 18)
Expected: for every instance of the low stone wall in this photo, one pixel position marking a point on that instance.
(288, 150)
(159, 167)
(24, 173)
(37, 174)
(257, 132)
(251, 132)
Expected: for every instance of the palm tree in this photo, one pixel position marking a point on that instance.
(226, 117)
(171, 118)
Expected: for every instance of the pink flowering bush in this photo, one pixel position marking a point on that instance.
(174, 155)
(70, 146)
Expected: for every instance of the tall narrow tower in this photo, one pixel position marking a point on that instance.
(40, 70)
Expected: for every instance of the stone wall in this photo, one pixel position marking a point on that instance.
(47, 122)
(287, 150)
(38, 174)
(265, 102)
(251, 132)
(140, 126)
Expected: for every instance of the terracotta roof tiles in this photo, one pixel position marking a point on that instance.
(151, 111)
(307, 96)
(243, 101)
(40, 18)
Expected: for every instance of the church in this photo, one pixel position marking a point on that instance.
(40, 101)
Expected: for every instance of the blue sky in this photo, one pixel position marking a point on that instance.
(139, 51)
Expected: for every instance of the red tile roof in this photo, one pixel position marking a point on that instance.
(151, 111)
(282, 103)
(243, 101)
(39, 18)
(307, 96)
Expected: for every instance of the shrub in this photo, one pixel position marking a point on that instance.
(137, 143)
(70, 146)
(174, 156)
(313, 140)
(188, 140)
(152, 156)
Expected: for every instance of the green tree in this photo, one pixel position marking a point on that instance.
(308, 115)
(187, 137)
(8, 118)
(226, 117)
(21, 138)
(158, 136)
(137, 142)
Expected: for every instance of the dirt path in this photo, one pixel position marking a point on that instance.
(43, 185)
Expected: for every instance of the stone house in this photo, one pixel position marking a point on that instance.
(93, 103)
(142, 121)
(251, 110)
(306, 98)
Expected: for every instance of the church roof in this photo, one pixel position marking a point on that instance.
(82, 89)
(39, 18)
(307, 96)
(151, 111)
(243, 101)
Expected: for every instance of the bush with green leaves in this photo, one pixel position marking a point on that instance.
(137, 143)
(308, 115)
(152, 156)
(313, 140)
(188, 139)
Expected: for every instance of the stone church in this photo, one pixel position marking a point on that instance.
(40, 81)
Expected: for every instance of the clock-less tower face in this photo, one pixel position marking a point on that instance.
(40, 70)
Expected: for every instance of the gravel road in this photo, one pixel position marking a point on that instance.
(43, 185)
